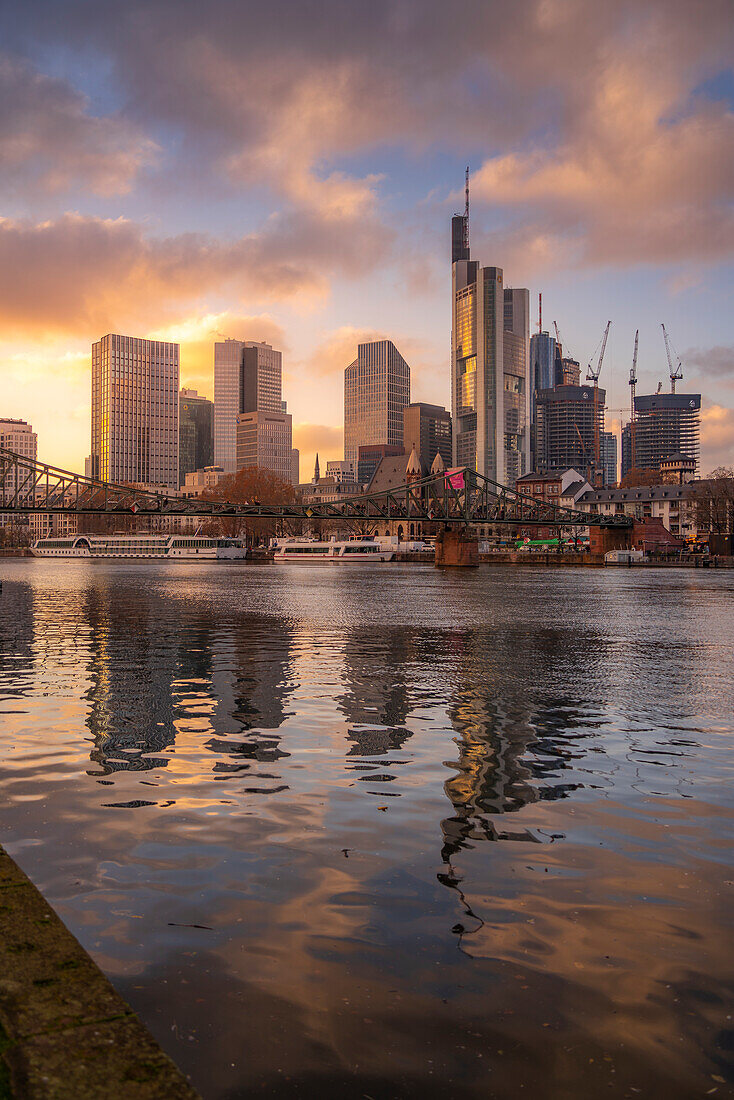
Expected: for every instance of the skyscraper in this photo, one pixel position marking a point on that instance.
(666, 424)
(227, 355)
(376, 390)
(608, 455)
(247, 379)
(195, 433)
(516, 384)
(543, 361)
(135, 410)
(489, 385)
(564, 428)
(261, 368)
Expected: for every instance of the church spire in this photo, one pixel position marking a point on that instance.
(316, 472)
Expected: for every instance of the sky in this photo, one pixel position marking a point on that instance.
(287, 172)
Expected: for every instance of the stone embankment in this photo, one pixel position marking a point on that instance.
(65, 1033)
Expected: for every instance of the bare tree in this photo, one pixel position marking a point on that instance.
(251, 485)
(714, 498)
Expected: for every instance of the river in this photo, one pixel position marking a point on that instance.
(387, 831)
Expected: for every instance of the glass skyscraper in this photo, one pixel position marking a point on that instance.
(489, 371)
(135, 410)
(376, 390)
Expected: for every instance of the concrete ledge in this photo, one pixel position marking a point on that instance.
(65, 1033)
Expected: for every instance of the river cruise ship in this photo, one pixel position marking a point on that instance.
(189, 547)
(351, 551)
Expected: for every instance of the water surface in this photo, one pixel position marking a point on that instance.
(386, 831)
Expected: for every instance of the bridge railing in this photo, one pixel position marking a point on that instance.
(455, 496)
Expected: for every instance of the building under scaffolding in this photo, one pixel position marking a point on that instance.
(564, 427)
(665, 424)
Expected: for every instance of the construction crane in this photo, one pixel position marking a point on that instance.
(676, 373)
(633, 386)
(592, 375)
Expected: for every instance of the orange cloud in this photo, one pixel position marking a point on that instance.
(717, 437)
(92, 275)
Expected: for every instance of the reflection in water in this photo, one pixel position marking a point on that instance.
(344, 791)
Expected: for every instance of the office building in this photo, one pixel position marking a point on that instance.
(376, 390)
(341, 470)
(427, 431)
(17, 436)
(543, 372)
(135, 410)
(489, 374)
(247, 379)
(264, 439)
(261, 369)
(665, 424)
(564, 428)
(608, 457)
(227, 355)
(295, 467)
(195, 433)
(516, 384)
(370, 456)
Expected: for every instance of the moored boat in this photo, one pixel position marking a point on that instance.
(196, 547)
(349, 551)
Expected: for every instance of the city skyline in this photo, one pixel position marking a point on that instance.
(316, 214)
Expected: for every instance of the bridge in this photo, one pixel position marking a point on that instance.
(456, 497)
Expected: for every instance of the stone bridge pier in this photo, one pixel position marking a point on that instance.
(603, 539)
(457, 546)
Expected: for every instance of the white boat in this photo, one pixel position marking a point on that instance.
(196, 547)
(348, 550)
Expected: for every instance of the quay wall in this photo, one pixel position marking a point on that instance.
(65, 1032)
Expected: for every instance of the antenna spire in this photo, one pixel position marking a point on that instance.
(466, 209)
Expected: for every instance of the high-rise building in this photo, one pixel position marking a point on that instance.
(564, 427)
(489, 385)
(376, 390)
(427, 431)
(570, 372)
(516, 384)
(261, 368)
(295, 467)
(264, 439)
(543, 361)
(135, 410)
(17, 436)
(371, 455)
(608, 457)
(247, 379)
(195, 433)
(227, 356)
(666, 424)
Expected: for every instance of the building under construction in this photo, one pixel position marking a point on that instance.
(665, 424)
(564, 427)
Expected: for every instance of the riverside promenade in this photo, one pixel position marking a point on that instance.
(65, 1034)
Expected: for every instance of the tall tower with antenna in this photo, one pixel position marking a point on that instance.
(460, 228)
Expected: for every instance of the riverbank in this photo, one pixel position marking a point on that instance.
(65, 1033)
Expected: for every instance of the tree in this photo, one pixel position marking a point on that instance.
(714, 498)
(250, 485)
(642, 476)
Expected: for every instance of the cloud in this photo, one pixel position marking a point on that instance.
(50, 142)
(711, 363)
(92, 274)
(717, 437)
(197, 334)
